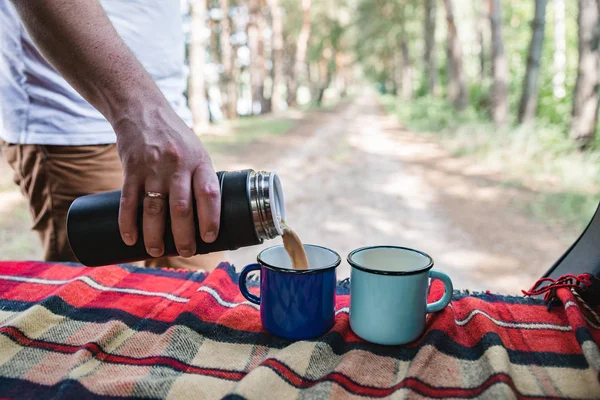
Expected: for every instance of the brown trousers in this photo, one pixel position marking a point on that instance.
(52, 177)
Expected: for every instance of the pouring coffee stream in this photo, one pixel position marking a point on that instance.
(294, 247)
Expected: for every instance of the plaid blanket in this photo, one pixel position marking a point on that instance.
(68, 331)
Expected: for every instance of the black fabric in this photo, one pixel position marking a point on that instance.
(591, 295)
(583, 256)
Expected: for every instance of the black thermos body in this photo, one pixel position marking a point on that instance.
(251, 208)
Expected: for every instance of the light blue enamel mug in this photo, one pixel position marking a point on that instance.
(388, 293)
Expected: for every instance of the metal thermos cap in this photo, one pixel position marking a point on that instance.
(267, 203)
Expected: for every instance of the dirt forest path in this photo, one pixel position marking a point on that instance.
(354, 177)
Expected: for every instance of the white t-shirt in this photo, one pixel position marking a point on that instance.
(37, 106)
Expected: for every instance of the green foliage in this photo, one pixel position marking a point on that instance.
(428, 114)
(570, 208)
(378, 28)
(292, 18)
(328, 104)
(479, 95)
(517, 35)
(248, 130)
(566, 182)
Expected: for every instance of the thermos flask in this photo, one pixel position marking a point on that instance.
(251, 204)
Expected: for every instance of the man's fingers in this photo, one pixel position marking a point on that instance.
(128, 211)
(182, 215)
(207, 193)
(155, 210)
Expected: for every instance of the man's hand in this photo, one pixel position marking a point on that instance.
(161, 154)
(158, 151)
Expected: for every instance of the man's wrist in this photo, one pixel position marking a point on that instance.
(135, 110)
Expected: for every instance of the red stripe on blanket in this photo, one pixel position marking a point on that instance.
(411, 383)
(101, 355)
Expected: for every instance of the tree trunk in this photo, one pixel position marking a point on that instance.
(301, 48)
(326, 72)
(529, 97)
(396, 73)
(313, 75)
(479, 28)
(585, 97)
(407, 70)
(407, 67)
(289, 54)
(277, 43)
(560, 50)
(256, 56)
(340, 75)
(229, 90)
(265, 103)
(499, 66)
(430, 53)
(198, 104)
(457, 86)
(323, 88)
(215, 51)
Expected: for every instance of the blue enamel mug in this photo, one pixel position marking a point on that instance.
(295, 304)
(388, 293)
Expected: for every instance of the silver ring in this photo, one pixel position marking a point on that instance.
(156, 195)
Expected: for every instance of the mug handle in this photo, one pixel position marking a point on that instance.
(242, 283)
(445, 300)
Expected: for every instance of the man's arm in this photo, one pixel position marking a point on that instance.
(158, 151)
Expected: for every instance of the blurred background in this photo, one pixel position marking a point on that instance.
(463, 128)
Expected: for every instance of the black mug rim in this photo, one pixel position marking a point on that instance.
(300, 271)
(354, 264)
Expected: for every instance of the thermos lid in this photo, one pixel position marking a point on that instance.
(277, 202)
(266, 203)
